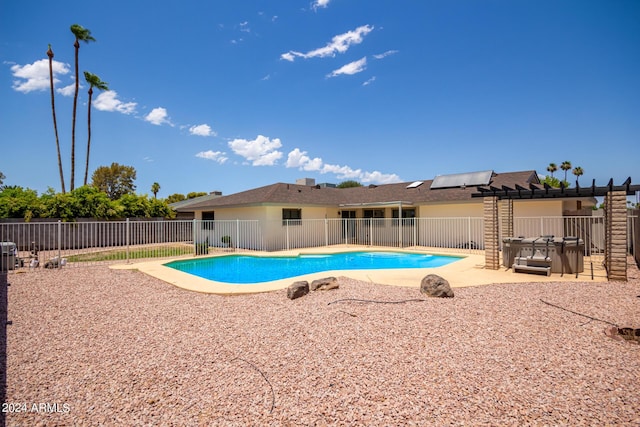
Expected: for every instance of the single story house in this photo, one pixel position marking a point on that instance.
(445, 196)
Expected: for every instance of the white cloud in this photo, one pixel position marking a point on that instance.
(244, 26)
(108, 101)
(338, 44)
(289, 56)
(343, 172)
(158, 116)
(202, 130)
(368, 82)
(385, 54)
(67, 90)
(261, 151)
(320, 3)
(216, 156)
(380, 178)
(299, 159)
(35, 77)
(350, 68)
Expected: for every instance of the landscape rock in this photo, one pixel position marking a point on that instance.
(435, 286)
(297, 289)
(325, 284)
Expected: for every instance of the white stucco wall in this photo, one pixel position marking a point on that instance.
(536, 208)
(467, 209)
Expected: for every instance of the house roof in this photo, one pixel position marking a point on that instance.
(293, 194)
(200, 199)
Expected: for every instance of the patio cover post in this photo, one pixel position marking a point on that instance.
(491, 233)
(615, 212)
(506, 218)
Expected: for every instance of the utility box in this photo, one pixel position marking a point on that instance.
(7, 256)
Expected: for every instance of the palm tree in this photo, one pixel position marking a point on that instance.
(565, 166)
(94, 81)
(577, 171)
(83, 34)
(552, 168)
(55, 122)
(154, 189)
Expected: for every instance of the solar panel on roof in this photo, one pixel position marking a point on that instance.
(415, 184)
(462, 179)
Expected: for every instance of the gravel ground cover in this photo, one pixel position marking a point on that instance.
(116, 347)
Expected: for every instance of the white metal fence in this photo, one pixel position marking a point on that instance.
(51, 244)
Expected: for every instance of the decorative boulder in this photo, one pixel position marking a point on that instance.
(324, 284)
(435, 286)
(297, 290)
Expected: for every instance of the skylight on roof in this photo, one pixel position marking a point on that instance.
(462, 179)
(415, 184)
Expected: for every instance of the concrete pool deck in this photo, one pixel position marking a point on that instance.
(468, 271)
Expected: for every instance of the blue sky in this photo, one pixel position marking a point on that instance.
(232, 95)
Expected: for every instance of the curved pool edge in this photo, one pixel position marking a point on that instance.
(468, 271)
(410, 277)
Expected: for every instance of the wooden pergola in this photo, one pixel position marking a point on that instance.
(615, 214)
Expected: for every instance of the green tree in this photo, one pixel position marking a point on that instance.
(19, 202)
(566, 167)
(82, 202)
(115, 180)
(92, 203)
(552, 168)
(133, 206)
(136, 206)
(55, 121)
(160, 209)
(81, 34)
(195, 194)
(58, 205)
(2, 177)
(94, 81)
(578, 172)
(349, 184)
(155, 187)
(551, 181)
(176, 197)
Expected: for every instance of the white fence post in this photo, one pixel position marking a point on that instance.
(235, 247)
(469, 232)
(194, 237)
(287, 229)
(326, 232)
(59, 263)
(127, 238)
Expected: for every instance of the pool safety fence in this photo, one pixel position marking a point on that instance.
(56, 244)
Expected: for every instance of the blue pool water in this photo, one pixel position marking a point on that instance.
(245, 269)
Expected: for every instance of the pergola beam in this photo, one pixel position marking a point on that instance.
(548, 192)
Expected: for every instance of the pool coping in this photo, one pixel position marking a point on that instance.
(467, 271)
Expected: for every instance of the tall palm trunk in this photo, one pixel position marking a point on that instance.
(73, 124)
(93, 81)
(86, 169)
(55, 121)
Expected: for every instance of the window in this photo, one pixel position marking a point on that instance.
(291, 216)
(408, 216)
(207, 220)
(374, 216)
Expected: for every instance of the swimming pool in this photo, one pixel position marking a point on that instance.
(248, 269)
